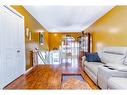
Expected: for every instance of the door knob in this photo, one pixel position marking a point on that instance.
(18, 51)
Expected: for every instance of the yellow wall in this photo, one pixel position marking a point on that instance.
(34, 26)
(111, 29)
(46, 41)
(55, 38)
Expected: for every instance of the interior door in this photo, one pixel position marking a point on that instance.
(7, 48)
(12, 62)
(20, 47)
(1, 65)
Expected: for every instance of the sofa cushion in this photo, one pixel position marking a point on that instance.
(112, 58)
(116, 50)
(117, 83)
(114, 55)
(92, 57)
(93, 66)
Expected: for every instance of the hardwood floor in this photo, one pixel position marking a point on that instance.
(49, 77)
(40, 77)
(46, 77)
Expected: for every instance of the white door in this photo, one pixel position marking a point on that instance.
(6, 47)
(20, 47)
(12, 41)
(1, 65)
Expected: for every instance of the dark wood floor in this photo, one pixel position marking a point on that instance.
(47, 77)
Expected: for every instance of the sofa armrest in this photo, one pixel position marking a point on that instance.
(117, 83)
(83, 59)
(105, 73)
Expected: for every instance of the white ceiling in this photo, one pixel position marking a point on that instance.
(67, 18)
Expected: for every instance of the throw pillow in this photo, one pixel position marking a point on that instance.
(92, 57)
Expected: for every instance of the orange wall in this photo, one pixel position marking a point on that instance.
(55, 38)
(111, 29)
(34, 26)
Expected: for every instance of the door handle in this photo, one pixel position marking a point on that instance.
(18, 51)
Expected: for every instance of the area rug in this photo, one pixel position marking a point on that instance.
(74, 83)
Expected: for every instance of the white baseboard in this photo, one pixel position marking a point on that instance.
(28, 70)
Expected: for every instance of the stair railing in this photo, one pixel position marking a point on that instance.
(41, 56)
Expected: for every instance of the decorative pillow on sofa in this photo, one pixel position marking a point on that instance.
(92, 57)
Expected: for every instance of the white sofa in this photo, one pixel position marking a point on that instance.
(113, 65)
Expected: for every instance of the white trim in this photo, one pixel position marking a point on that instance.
(13, 10)
(28, 70)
